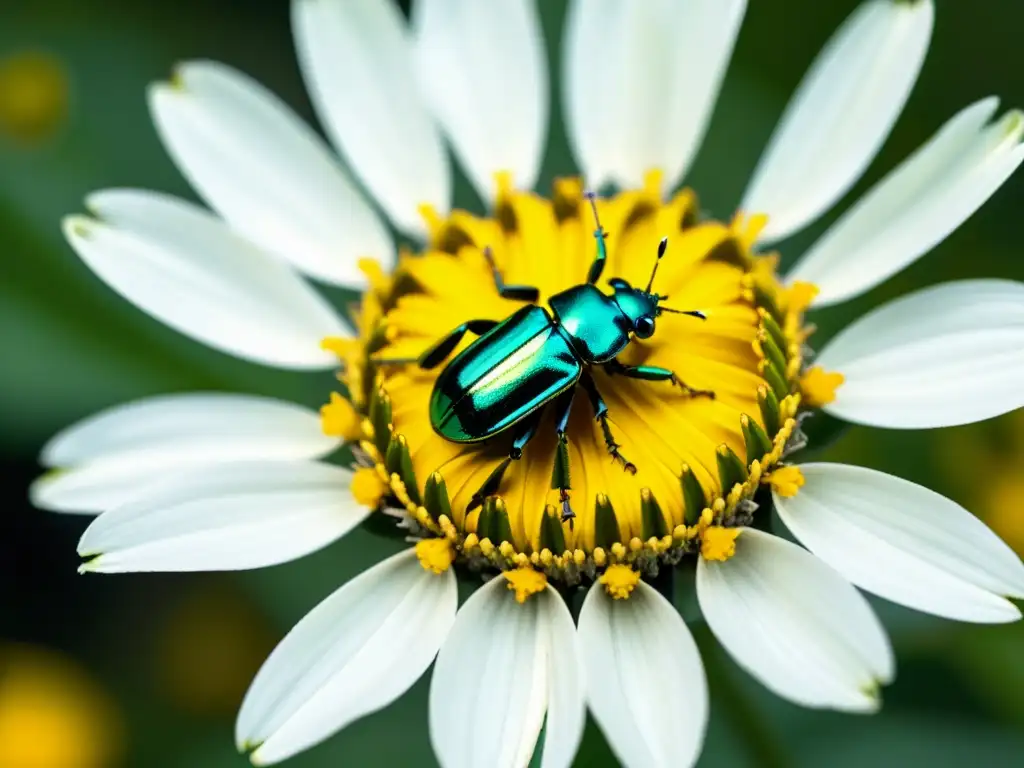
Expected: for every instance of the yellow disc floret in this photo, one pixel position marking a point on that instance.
(786, 481)
(525, 582)
(620, 581)
(719, 543)
(368, 487)
(436, 555)
(699, 445)
(339, 418)
(819, 386)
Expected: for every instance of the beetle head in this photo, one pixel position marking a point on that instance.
(641, 306)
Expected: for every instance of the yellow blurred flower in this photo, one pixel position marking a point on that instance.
(33, 95)
(53, 714)
(210, 647)
(996, 451)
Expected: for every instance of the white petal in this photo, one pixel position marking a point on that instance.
(185, 268)
(904, 543)
(108, 457)
(645, 680)
(841, 114)
(357, 60)
(355, 653)
(195, 426)
(497, 673)
(483, 69)
(567, 711)
(795, 624)
(946, 355)
(266, 172)
(917, 205)
(641, 82)
(224, 518)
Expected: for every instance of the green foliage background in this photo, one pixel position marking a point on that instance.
(70, 346)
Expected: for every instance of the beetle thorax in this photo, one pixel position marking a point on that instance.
(595, 325)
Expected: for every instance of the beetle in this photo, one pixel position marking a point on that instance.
(538, 356)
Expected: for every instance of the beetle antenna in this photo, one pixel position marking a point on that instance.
(597, 267)
(690, 312)
(662, 246)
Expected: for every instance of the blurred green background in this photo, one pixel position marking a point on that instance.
(148, 670)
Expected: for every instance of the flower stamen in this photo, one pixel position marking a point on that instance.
(619, 581)
(786, 481)
(435, 555)
(819, 386)
(718, 543)
(525, 582)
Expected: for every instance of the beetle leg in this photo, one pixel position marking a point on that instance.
(654, 373)
(437, 353)
(490, 486)
(601, 414)
(560, 474)
(525, 293)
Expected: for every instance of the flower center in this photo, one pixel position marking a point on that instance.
(609, 429)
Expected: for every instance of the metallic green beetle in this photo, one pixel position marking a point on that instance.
(502, 381)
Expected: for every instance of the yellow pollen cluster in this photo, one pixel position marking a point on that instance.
(525, 582)
(786, 481)
(819, 386)
(339, 418)
(368, 487)
(619, 581)
(435, 555)
(719, 543)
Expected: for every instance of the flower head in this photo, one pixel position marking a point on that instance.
(564, 392)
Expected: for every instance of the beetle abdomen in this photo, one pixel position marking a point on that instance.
(506, 374)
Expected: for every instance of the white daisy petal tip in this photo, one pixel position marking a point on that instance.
(631, 647)
(353, 654)
(104, 460)
(186, 268)
(904, 543)
(841, 114)
(297, 202)
(356, 58)
(917, 205)
(645, 100)
(491, 101)
(822, 645)
(531, 670)
(942, 356)
(228, 517)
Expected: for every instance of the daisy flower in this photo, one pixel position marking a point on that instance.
(675, 451)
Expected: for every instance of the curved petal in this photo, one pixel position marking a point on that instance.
(355, 653)
(357, 61)
(917, 205)
(266, 172)
(184, 267)
(645, 680)
(483, 69)
(106, 458)
(904, 543)
(946, 355)
(641, 83)
(841, 114)
(566, 695)
(795, 624)
(497, 673)
(225, 518)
